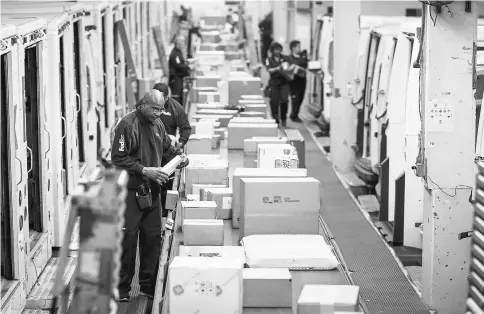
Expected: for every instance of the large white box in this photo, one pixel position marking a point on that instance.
(267, 288)
(279, 206)
(268, 153)
(203, 232)
(233, 252)
(321, 297)
(205, 285)
(256, 173)
(238, 132)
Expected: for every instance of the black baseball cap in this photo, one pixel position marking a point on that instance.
(162, 87)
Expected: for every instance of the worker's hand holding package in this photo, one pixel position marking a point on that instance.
(155, 174)
(184, 161)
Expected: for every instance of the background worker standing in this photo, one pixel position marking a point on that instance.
(178, 69)
(298, 84)
(276, 64)
(140, 142)
(173, 117)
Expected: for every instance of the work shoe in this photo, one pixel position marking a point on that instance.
(296, 119)
(283, 123)
(146, 294)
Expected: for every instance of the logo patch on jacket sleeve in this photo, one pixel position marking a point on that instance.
(121, 143)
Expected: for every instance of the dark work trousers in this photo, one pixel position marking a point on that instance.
(279, 100)
(176, 85)
(298, 88)
(148, 224)
(164, 189)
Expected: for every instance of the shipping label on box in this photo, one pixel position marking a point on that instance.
(237, 133)
(267, 288)
(279, 206)
(205, 285)
(240, 173)
(287, 162)
(203, 232)
(267, 153)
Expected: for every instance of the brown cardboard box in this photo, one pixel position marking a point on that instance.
(238, 132)
(243, 85)
(208, 97)
(341, 298)
(199, 189)
(267, 287)
(240, 173)
(252, 120)
(250, 148)
(232, 252)
(252, 97)
(218, 106)
(221, 132)
(297, 140)
(203, 232)
(245, 102)
(262, 108)
(199, 209)
(207, 81)
(223, 198)
(199, 144)
(253, 114)
(215, 112)
(207, 169)
(223, 119)
(279, 206)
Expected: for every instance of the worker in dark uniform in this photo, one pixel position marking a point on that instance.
(278, 83)
(298, 84)
(173, 117)
(178, 69)
(140, 142)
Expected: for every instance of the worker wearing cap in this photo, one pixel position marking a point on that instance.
(297, 86)
(173, 117)
(278, 83)
(140, 142)
(178, 69)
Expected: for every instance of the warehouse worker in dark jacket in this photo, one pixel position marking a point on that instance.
(298, 84)
(174, 117)
(178, 69)
(140, 142)
(278, 83)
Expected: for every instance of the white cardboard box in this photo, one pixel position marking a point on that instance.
(287, 162)
(206, 169)
(199, 144)
(250, 148)
(199, 210)
(267, 287)
(203, 232)
(205, 285)
(268, 153)
(204, 128)
(238, 132)
(223, 198)
(253, 114)
(314, 297)
(279, 206)
(262, 108)
(256, 173)
(232, 252)
(197, 188)
(251, 97)
(223, 119)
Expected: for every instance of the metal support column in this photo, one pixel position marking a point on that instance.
(447, 146)
(279, 23)
(343, 113)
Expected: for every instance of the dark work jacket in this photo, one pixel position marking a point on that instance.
(303, 63)
(174, 118)
(277, 77)
(178, 67)
(139, 143)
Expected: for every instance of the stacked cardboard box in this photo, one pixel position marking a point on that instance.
(267, 154)
(250, 148)
(238, 132)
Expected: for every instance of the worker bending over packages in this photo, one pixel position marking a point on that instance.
(299, 62)
(178, 69)
(140, 142)
(173, 117)
(277, 65)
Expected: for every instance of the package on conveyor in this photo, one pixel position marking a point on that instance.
(215, 105)
(267, 288)
(192, 197)
(218, 112)
(240, 173)
(242, 85)
(207, 81)
(199, 210)
(221, 132)
(199, 144)
(324, 298)
(252, 97)
(204, 127)
(198, 189)
(252, 120)
(293, 251)
(238, 132)
(279, 206)
(194, 92)
(215, 141)
(234, 252)
(252, 114)
(261, 108)
(206, 169)
(223, 119)
(222, 197)
(205, 285)
(211, 57)
(244, 102)
(238, 74)
(268, 153)
(287, 161)
(208, 97)
(297, 140)
(203, 232)
(250, 148)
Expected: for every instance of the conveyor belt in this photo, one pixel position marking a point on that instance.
(384, 288)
